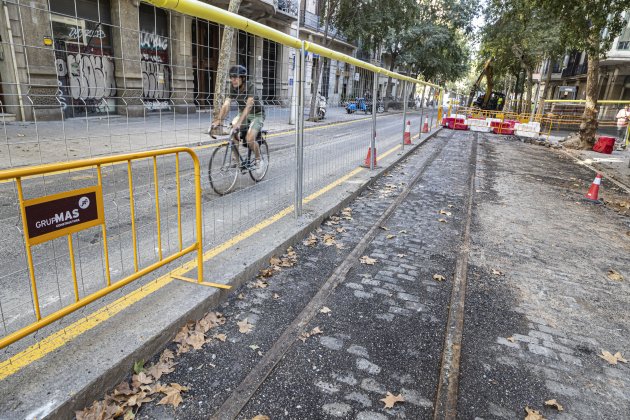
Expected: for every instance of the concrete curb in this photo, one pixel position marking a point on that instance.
(23, 387)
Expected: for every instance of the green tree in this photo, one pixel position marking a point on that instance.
(591, 26)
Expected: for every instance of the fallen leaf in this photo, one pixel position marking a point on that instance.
(261, 417)
(367, 260)
(340, 230)
(325, 310)
(274, 261)
(161, 368)
(181, 334)
(533, 414)
(240, 296)
(196, 340)
(614, 275)
(329, 240)
(442, 220)
(276, 296)
(267, 272)
(138, 366)
(129, 415)
(391, 236)
(555, 404)
(311, 240)
(244, 327)
(384, 228)
(391, 399)
(439, 277)
(259, 284)
(511, 339)
(254, 347)
(496, 272)
(316, 330)
(450, 206)
(612, 358)
(401, 255)
(140, 379)
(173, 397)
(448, 213)
(138, 399)
(402, 231)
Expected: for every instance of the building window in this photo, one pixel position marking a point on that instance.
(624, 39)
(83, 56)
(154, 57)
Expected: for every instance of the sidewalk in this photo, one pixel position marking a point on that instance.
(31, 143)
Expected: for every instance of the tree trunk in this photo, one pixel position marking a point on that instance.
(225, 53)
(528, 85)
(545, 92)
(489, 86)
(506, 106)
(589, 124)
(388, 90)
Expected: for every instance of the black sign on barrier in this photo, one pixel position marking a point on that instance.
(60, 214)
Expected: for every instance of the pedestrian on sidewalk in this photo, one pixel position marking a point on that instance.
(623, 116)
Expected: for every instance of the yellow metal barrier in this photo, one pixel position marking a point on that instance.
(85, 211)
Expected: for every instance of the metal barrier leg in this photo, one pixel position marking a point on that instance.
(299, 137)
(373, 140)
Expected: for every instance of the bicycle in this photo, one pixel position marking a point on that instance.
(223, 170)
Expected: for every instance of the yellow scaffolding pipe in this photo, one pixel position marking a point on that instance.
(215, 14)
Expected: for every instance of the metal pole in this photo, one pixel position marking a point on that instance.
(404, 112)
(421, 113)
(294, 105)
(299, 136)
(373, 142)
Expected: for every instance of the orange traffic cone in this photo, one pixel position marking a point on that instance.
(425, 127)
(368, 158)
(407, 136)
(594, 190)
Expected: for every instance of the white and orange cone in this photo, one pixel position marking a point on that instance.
(593, 192)
(407, 135)
(425, 127)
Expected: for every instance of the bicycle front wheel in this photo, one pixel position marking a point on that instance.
(258, 174)
(223, 169)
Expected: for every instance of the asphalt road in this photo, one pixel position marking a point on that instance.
(329, 152)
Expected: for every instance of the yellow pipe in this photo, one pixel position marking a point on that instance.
(199, 215)
(29, 254)
(179, 202)
(581, 101)
(157, 207)
(99, 176)
(74, 269)
(133, 216)
(215, 14)
(12, 338)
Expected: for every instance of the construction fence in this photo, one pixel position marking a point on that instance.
(112, 100)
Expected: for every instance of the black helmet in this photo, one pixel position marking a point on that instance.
(238, 71)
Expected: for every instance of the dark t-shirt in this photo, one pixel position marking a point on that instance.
(240, 96)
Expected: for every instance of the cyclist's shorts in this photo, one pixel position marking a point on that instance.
(253, 122)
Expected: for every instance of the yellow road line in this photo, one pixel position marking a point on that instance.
(59, 338)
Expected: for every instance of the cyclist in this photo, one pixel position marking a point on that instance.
(251, 113)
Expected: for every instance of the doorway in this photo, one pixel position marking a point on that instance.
(205, 56)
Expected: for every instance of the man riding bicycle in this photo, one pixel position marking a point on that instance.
(251, 112)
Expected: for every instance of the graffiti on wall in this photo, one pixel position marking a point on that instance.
(156, 72)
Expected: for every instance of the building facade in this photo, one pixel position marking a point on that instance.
(568, 79)
(75, 58)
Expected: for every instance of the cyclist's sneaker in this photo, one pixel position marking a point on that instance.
(261, 167)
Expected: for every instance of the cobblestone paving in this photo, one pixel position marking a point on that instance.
(213, 372)
(554, 300)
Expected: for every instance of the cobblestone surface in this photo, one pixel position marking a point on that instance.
(554, 300)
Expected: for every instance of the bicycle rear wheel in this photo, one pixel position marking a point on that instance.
(223, 169)
(256, 174)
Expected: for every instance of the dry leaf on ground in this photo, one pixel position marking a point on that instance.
(325, 310)
(367, 260)
(533, 414)
(220, 337)
(612, 358)
(391, 399)
(384, 227)
(260, 284)
(254, 347)
(439, 277)
(448, 213)
(614, 275)
(311, 240)
(450, 206)
(555, 404)
(261, 417)
(240, 296)
(276, 296)
(401, 255)
(442, 220)
(496, 272)
(511, 339)
(340, 230)
(329, 239)
(390, 236)
(306, 335)
(244, 327)
(402, 231)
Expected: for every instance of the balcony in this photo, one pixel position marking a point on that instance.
(312, 21)
(575, 70)
(289, 7)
